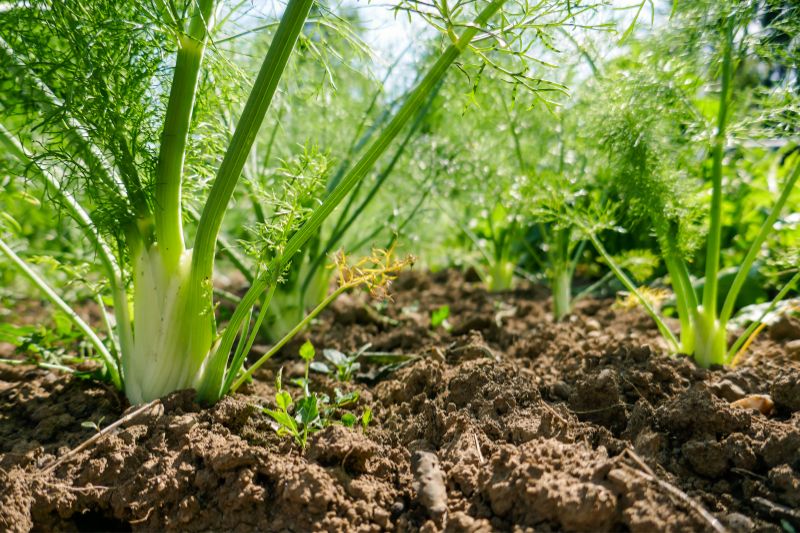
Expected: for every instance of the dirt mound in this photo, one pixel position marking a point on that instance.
(508, 421)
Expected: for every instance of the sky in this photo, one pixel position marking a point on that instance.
(390, 35)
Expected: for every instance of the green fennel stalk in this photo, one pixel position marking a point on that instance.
(211, 389)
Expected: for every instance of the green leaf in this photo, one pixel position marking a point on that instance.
(283, 431)
(15, 334)
(307, 411)
(11, 222)
(284, 400)
(366, 418)
(284, 420)
(640, 263)
(439, 315)
(336, 357)
(318, 366)
(499, 216)
(63, 323)
(349, 420)
(307, 351)
(345, 399)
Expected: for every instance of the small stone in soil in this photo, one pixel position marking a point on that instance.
(429, 483)
(756, 402)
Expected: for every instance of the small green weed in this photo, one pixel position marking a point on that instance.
(340, 365)
(311, 412)
(439, 318)
(91, 424)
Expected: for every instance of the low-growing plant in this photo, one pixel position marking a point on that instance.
(91, 424)
(558, 246)
(374, 273)
(342, 366)
(311, 411)
(439, 317)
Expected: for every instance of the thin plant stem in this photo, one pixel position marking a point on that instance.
(735, 349)
(681, 288)
(115, 351)
(342, 227)
(754, 332)
(755, 246)
(409, 108)
(625, 280)
(51, 295)
(591, 288)
(79, 214)
(512, 126)
(207, 236)
(243, 137)
(715, 229)
(289, 336)
(238, 363)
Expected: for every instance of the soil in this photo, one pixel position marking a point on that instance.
(507, 422)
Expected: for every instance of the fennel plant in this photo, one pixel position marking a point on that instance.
(118, 153)
(651, 135)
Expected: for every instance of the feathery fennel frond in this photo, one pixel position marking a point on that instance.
(644, 130)
(86, 81)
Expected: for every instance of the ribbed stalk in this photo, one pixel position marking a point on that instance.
(561, 285)
(169, 171)
(165, 348)
(710, 339)
(685, 300)
(200, 298)
(714, 244)
(243, 137)
(561, 272)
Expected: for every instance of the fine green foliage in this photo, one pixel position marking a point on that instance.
(149, 149)
(653, 128)
(100, 165)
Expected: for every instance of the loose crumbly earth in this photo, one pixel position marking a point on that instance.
(507, 422)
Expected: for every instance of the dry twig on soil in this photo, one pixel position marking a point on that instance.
(647, 473)
(99, 435)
